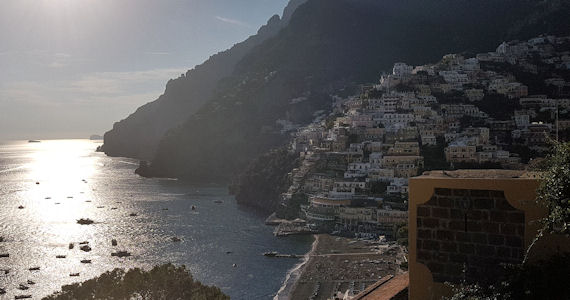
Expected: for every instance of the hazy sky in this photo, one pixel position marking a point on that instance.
(70, 68)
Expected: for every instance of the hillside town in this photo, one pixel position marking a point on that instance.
(494, 110)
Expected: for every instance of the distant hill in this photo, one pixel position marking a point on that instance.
(138, 135)
(330, 45)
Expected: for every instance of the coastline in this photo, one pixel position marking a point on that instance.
(293, 275)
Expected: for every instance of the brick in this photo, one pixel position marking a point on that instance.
(419, 222)
(457, 258)
(516, 217)
(520, 230)
(449, 246)
(457, 192)
(430, 223)
(479, 193)
(456, 214)
(462, 236)
(491, 227)
(504, 252)
(509, 229)
(483, 203)
(485, 250)
(517, 254)
(441, 257)
(445, 235)
(495, 239)
(498, 216)
(424, 211)
(424, 234)
(440, 212)
(444, 202)
(424, 255)
(497, 194)
(514, 241)
(435, 267)
(457, 225)
(442, 192)
(479, 238)
(430, 245)
(473, 226)
(454, 269)
(466, 249)
(463, 203)
(503, 204)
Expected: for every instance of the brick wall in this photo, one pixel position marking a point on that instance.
(467, 234)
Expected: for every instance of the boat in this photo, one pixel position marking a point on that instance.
(22, 297)
(71, 245)
(85, 248)
(175, 239)
(85, 221)
(86, 261)
(74, 274)
(3, 255)
(234, 265)
(23, 287)
(121, 254)
(84, 243)
(31, 282)
(33, 141)
(20, 207)
(34, 269)
(1, 239)
(2, 291)
(193, 207)
(60, 256)
(270, 253)
(133, 214)
(218, 201)
(114, 242)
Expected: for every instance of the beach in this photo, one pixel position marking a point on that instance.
(341, 264)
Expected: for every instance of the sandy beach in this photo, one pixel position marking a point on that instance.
(340, 264)
(295, 273)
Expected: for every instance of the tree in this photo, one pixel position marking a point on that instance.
(162, 282)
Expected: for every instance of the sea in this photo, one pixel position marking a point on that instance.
(45, 187)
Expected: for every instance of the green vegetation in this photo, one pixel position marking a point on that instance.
(166, 282)
(263, 181)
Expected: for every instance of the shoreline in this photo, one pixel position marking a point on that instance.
(294, 274)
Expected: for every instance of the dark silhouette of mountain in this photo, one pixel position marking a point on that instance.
(138, 135)
(329, 45)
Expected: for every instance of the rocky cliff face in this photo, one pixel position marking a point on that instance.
(138, 135)
(329, 45)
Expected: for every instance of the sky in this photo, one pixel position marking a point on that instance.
(71, 68)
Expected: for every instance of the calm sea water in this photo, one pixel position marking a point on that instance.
(60, 181)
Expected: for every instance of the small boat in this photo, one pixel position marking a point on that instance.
(4, 255)
(33, 141)
(165, 209)
(85, 248)
(84, 243)
(71, 245)
(23, 287)
(193, 207)
(69, 197)
(85, 221)
(114, 242)
(2, 291)
(133, 214)
(37, 182)
(86, 261)
(100, 206)
(74, 274)
(229, 252)
(121, 254)
(34, 269)
(270, 253)
(88, 201)
(22, 297)
(113, 208)
(47, 198)
(60, 256)
(31, 282)
(57, 203)
(175, 239)
(218, 201)
(234, 265)
(20, 207)
(1, 239)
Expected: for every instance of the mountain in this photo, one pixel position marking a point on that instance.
(327, 46)
(138, 135)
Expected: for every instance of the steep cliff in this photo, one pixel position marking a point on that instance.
(329, 45)
(138, 135)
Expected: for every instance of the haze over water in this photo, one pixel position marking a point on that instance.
(76, 182)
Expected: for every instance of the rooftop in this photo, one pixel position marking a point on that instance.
(492, 174)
